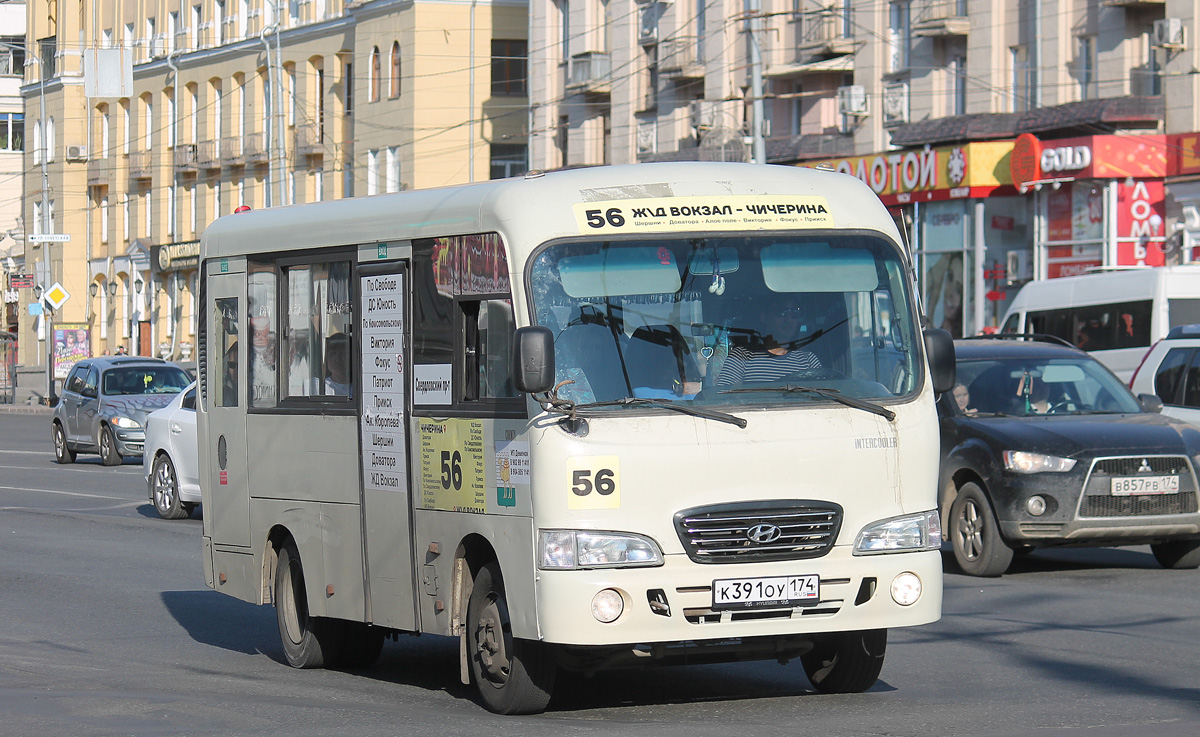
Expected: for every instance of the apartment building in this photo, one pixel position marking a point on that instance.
(162, 115)
(932, 102)
(12, 144)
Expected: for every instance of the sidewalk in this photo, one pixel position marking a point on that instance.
(25, 409)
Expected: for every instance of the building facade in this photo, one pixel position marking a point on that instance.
(162, 115)
(12, 145)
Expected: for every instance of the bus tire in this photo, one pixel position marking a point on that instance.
(308, 641)
(512, 676)
(62, 451)
(975, 534)
(108, 447)
(1177, 554)
(363, 645)
(846, 662)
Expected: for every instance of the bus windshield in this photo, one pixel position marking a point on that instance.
(728, 320)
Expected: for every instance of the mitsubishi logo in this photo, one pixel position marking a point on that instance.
(1145, 467)
(763, 533)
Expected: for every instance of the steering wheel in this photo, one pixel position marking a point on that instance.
(1063, 405)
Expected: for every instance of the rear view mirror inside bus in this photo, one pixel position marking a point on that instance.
(533, 360)
(714, 261)
(620, 271)
(816, 267)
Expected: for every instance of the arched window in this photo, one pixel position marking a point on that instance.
(373, 82)
(394, 88)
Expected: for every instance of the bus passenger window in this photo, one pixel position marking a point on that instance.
(264, 324)
(487, 350)
(317, 331)
(225, 352)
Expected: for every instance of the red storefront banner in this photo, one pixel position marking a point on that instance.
(1141, 214)
(1089, 157)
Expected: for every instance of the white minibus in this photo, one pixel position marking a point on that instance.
(591, 419)
(1116, 315)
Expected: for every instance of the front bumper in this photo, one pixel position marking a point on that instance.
(854, 595)
(129, 442)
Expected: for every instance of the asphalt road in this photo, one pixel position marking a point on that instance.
(106, 628)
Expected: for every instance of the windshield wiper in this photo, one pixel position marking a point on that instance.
(833, 394)
(710, 414)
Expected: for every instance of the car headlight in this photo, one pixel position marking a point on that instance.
(126, 423)
(905, 534)
(574, 549)
(1020, 461)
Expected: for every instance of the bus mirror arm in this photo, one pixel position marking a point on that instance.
(533, 359)
(939, 347)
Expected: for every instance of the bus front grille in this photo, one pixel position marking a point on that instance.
(759, 531)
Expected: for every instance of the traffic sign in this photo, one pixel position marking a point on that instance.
(56, 296)
(48, 238)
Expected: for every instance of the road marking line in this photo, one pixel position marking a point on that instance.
(66, 493)
(86, 467)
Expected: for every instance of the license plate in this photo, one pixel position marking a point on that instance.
(1129, 485)
(772, 591)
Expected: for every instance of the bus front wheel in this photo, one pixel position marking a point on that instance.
(513, 676)
(308, 641)
(846, 662)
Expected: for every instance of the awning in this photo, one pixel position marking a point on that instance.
(844, 63)
(1185, 192)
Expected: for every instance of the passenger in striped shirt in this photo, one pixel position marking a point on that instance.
(775, 362)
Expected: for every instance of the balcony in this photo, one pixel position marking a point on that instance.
(828, 32)
(681, 58)
(1134, 3)
(941, 18)
(231, 152)
(99, 172)
(306, 140)
(253, 150)
(206, 155)
(591, 72)
(141, 164)
(185, 159)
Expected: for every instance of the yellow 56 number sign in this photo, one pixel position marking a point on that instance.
(593, 482)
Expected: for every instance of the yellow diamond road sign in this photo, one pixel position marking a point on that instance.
(56, 296)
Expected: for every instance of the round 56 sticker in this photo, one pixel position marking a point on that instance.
(593, 482)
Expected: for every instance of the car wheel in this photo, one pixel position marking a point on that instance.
(975, 535)
(166, 489)
(512, 676)
(62, 452)
(846, 662)
(108, 448)
(308, 641)
(1177, 554)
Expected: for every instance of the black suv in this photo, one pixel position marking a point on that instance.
(1043, 446)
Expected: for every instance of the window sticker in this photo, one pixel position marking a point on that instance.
(594, 482)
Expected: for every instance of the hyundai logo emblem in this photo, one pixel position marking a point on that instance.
(763, 533)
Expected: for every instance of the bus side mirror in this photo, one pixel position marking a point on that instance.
(533, 360)
(939, 346)
(1150, 402)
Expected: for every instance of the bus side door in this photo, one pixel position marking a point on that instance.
(227, 518)
(383, 425)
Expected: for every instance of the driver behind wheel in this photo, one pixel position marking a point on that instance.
(774, 356)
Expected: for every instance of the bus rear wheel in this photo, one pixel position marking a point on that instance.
(846, 662)
(513, 676)
(308, 641)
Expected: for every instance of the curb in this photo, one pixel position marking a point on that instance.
(19, 409)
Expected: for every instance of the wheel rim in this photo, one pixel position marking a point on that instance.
(969, 530)
(492, 641)
(105, 444)
(60, 443)
(164, 486)
(290, 606)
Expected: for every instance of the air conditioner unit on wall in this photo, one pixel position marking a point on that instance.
(852, 100)
(77, 153)
(1169, 33)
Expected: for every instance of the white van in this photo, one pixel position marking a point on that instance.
(1115, 315)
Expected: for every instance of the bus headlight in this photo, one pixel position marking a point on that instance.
(573, 549)
(901, 534)
(126, 423)
(1020, 461)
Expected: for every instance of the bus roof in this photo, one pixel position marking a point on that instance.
(536, 208)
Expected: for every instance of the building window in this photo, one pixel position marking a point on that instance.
(373, 72)
(104, 219)
(12, 55)
(394, 81)
(48, 56)
(392, 162)
(373, 172)
(348, 86)
(12, 131)
(507, 160)
(1087, 67)
(957, 69)
(148, 121)
(509, 67)
(899, 36)
(1020, 78)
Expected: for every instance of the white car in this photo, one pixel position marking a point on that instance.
(1171, 370)
(170, 458)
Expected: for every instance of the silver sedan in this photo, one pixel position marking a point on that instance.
(170, 459)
